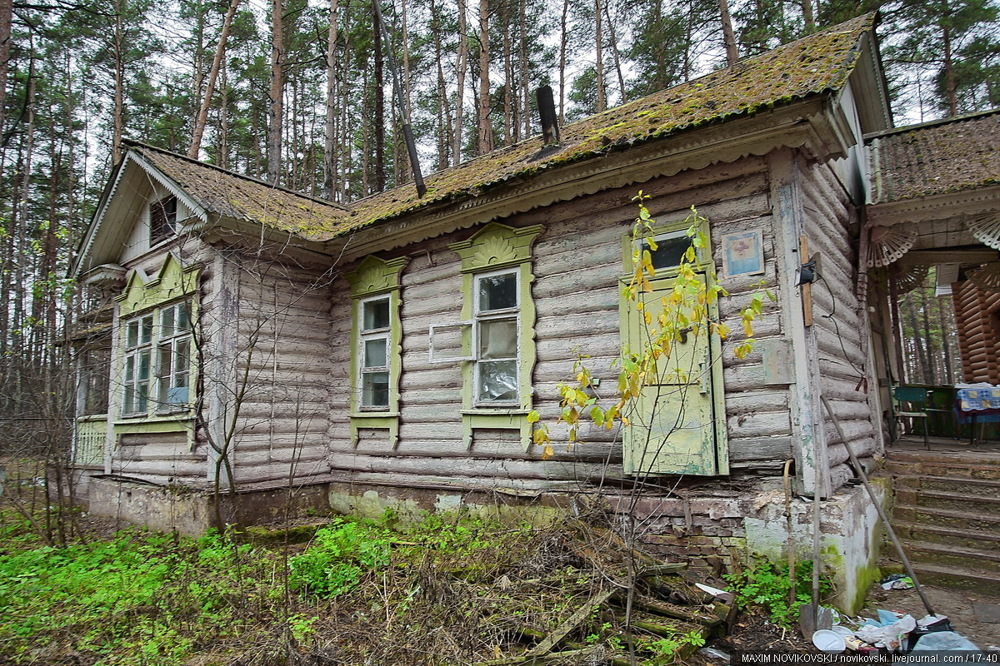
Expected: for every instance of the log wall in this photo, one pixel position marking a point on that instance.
(577, 265)
(840, 327)
(978, 332)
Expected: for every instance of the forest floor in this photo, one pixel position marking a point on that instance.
(339, 592)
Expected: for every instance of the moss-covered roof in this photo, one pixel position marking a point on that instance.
(242, 198)
(936, 158)
(818, 64)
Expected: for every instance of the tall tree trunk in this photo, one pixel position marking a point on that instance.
(276, 109)
(378, 127)
(599, 46)
(213, 75)
(485, 143)
(118, 115)
(6, 17)
(615, 55)
(222, 140)
(525, 70)
(510, 129)
(564, 38)
(444, 125)
(329, 133)
(808, 16)
(728, 35)
(461, 66)
(949, 71)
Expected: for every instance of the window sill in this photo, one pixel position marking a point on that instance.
(498, 411)
(373, 415)
(159, 417)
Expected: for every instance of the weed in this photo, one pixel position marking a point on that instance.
(767, 586)
(340, 555)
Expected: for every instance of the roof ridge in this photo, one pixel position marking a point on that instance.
(145, 146)
(974, 115)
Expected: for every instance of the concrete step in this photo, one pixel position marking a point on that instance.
(989, 488)
(952, 536)
(964, 520)
(954, 469)
(940, 499)
(957, 577)
(982, 561)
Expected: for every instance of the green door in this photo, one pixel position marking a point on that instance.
(676, 424)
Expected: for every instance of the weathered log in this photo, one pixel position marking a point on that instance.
(570, 623)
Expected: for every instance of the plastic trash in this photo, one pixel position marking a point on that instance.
(827, 640)
(891, 633)
(897, 582)
(943, 640)
(714, 653)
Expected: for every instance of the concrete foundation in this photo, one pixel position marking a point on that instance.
(193, 512)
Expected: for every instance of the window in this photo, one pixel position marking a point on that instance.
(376, 350)
(138, 363)
(496, 327)
(493, 341)
(374, 353)
(94, 381)
(173, 369)
(167, 330)
(162, 219)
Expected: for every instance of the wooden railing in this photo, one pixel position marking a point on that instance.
(90, 435)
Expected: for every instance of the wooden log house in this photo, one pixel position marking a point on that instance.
(386, 353)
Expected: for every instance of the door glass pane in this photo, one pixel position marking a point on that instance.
(669, 251)
(498, 339)
(497, 292)
(375, 353)
(376, 314)
(497, 381)
(375, 389)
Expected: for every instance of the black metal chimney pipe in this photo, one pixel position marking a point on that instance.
(547, 115)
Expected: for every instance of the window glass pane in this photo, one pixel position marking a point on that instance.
(375, 353)
(181, 360)
(167, 322)
(146, 330)
(141, 397)
(497, 292)
(669, 251)
(183, 318)
(498, 339)
(132, 334)
(144, 363)
(128, 404)
(497, 381)
(375, 389)
(376, 314)
(130, 368)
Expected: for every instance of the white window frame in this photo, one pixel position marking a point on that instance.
(173, 344)
(367, 335)
(479, 317)
(137, 345)
(161, 347)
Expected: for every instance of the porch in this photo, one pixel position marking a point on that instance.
(946, 509)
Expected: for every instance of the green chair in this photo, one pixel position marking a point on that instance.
(910, 402)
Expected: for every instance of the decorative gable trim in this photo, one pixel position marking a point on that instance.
(173, 280)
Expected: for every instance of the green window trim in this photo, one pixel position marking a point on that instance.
(376, 346)
(155, 358)
(501, 252)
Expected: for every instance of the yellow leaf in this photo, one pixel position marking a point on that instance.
(548, 452)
